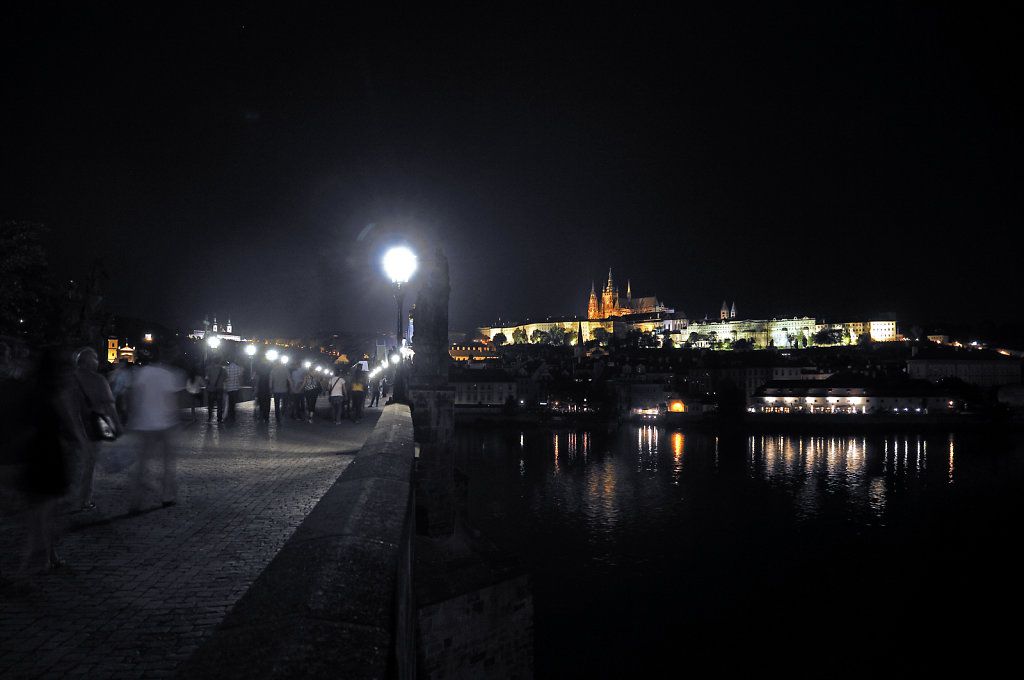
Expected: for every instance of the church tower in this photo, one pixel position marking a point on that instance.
(725, 311)
(594, 309)
(609, 298)
(732, 312)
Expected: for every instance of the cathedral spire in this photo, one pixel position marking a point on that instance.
(610, 286)
(629, 291)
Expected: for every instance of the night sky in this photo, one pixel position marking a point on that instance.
(819, 160)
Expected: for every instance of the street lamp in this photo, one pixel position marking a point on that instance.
(250, 350)
(399, 265)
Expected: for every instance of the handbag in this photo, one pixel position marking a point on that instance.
(103, 426)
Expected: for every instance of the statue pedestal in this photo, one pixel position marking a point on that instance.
(433, 416)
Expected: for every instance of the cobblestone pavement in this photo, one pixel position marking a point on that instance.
(139, 593)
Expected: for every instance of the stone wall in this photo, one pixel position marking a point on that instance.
(336, 601)
(485, 633)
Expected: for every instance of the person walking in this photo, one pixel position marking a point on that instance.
(154, 416)
(261, 385)
(95, 399)
(310, 392)
(120, 380)
(215, 389)
(295, 397)
(232, 384)
(336, 395)
(195, 386)
(280, 386)
(39, 418)
(374, 392)
(357, 385)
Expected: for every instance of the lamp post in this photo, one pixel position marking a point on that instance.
(399, 265)
(250, 350)
(212, 342)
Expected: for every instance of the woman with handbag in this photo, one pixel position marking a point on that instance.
(99, 416)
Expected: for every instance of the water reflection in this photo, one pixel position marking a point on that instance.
(678, 442)
(851, 469)
(647, 448)
(648, 469)
(662, 525)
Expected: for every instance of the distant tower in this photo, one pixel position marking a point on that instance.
(725, 310)
(214, 328)
(227, 329)
(629, 290)
(594, 309)
(732, 312)
(609, 298)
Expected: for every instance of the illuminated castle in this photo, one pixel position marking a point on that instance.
(611, 305)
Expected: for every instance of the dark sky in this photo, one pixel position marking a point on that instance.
(819, 160)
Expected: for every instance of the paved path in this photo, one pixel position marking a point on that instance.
(139, 593)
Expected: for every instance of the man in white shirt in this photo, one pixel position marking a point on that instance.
(156, 390)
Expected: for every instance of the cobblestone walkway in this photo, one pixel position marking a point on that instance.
(139, 593)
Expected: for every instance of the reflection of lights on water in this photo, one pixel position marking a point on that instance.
(951, 466)
(677, 456)
(556, 453)
(647, 447)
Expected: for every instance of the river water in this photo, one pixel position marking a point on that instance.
(660, 553)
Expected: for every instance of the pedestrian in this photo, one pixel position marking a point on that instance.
(374, 392)
(195, 386)
(336, 394)
(215, 389)
(295, 397)
(261, 386)
(95, 400)
(155, 396)
(120, 380)
(232, 384)
(39, 418)
(310, 392)
(280, 386)
(357, 385)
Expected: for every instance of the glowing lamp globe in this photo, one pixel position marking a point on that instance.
(399, 264)
(250, 349)
(213, 341)
(272, 354)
